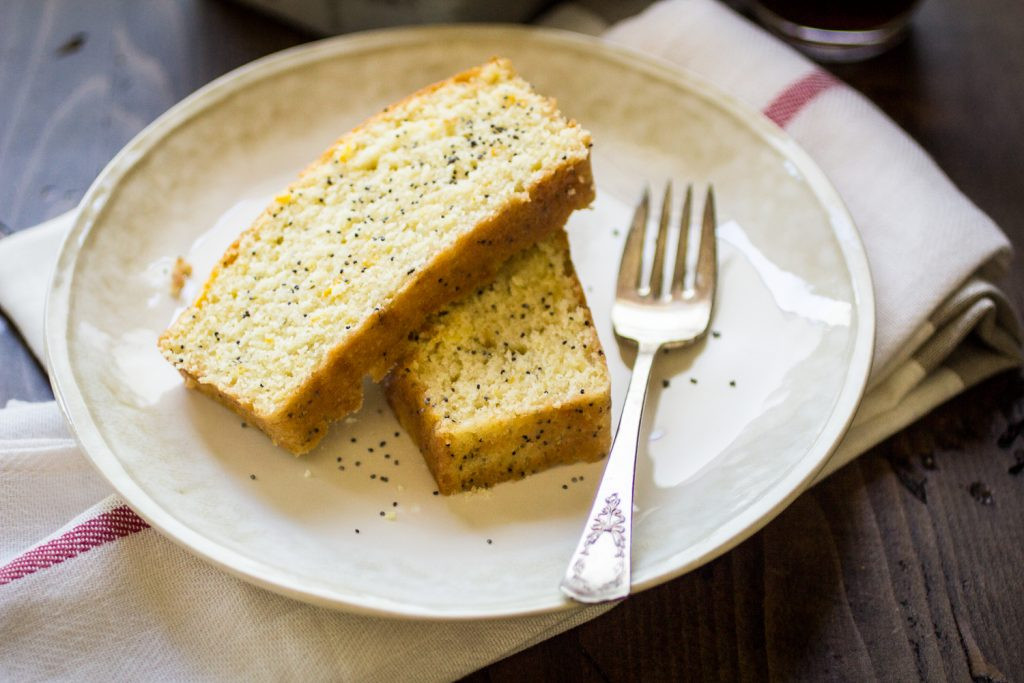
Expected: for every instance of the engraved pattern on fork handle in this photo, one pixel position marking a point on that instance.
(609, 520)
(597, 571)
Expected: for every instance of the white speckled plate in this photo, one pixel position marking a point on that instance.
(740, 424)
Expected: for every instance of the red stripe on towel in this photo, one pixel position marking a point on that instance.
(106, 527)
(798, 95)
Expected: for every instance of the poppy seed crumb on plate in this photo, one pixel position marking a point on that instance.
(448, 183)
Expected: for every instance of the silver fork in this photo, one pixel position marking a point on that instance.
(654, 315)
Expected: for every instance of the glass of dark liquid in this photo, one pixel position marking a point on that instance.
(837, 30)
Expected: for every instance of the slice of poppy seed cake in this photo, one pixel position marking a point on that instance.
(399, 217)
(510, 380)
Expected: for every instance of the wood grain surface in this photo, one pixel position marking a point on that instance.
(903, 566)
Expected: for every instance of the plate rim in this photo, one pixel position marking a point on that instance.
(735, 531)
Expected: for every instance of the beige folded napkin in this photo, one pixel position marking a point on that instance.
(98, 594)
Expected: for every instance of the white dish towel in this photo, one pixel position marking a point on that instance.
(87, 590)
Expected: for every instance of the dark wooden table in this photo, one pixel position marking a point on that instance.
(891, 569)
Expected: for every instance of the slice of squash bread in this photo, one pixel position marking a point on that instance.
(508, 381)
(399, 217)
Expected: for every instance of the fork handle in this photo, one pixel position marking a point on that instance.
(599, 569)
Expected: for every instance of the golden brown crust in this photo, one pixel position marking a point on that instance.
(578, 431)
(460, 77)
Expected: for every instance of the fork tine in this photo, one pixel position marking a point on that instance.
(632, 253)
(658, 266)
(707, 257)
(679, 271)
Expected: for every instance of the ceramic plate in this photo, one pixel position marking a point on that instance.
(737, 426)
